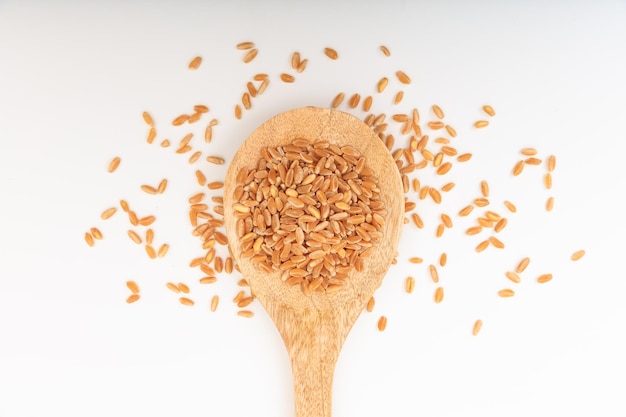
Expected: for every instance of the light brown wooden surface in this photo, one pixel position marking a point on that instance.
(315, 326)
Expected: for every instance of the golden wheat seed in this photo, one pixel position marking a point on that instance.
(464, 157)
(148, 119)
(148, 189)
(134, 237)
(367, 103)
(551, 163)
(382, 84)
(438, 295)
(245, 45)
(385, 50)
(577, 255)
(506, 293)
(132, 298)
(245, 313)
(550, 204)
(132, 286)
(489, 110)
(287, 78)
(215, 160)
(513, 277)
(481, 123)
(115, 162)
(473, 230)
(542, 279)
(447, 187)
(495, 242)
(438, 112)
(522, 265)
(295, 60)
(444, 168)
(354, 101)
(215, 185)
(237, 112)
(482, 245)
(165, 143)
(302, 66)
(149, 236)
(528, 151)
(215, 302)
(478, 324)
(151, 135)
(370, 304)
(147, 220)
(163, 250)
(518, 168)
(337, 100)
(416, 260)
(194, 64)
(106, 214)
(402, 77)
(151, 252)
(89, 239)
(547, 181)
(173, 287)
(510, 206)
(179, 120)
(434, 275)
(484, 188)
(398, 97)
(331, 53)
(501, 224)
(382, 323)
(194, 157)
(409, 285)
(250, 55)
(532, 161)
(245, 101)
(186, 301)
(162, 186)
(96, 233)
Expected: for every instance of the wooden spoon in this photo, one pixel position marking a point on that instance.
(314, 327)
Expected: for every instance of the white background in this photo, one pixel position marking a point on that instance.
(75, 78)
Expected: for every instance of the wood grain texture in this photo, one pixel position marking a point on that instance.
(314, 327)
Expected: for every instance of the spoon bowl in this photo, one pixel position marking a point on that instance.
(314, 326)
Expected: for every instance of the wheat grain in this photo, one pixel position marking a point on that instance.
(522, 265)
(438, 295)
(331, 53)
(489, 110)
(115, 162)
(478, 324)
(108, 213)
(250, 55)
(132, 286)
(577, 255)
(132, 298)
(506, 293)
(382, 323)
(194, 64)
(544, 278)
(186, 301)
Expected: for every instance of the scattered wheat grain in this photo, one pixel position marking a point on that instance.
(115, 162)
(195, 63)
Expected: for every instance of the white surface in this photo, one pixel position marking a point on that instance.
(74, 80)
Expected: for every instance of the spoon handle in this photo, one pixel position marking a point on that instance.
(313, 340)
